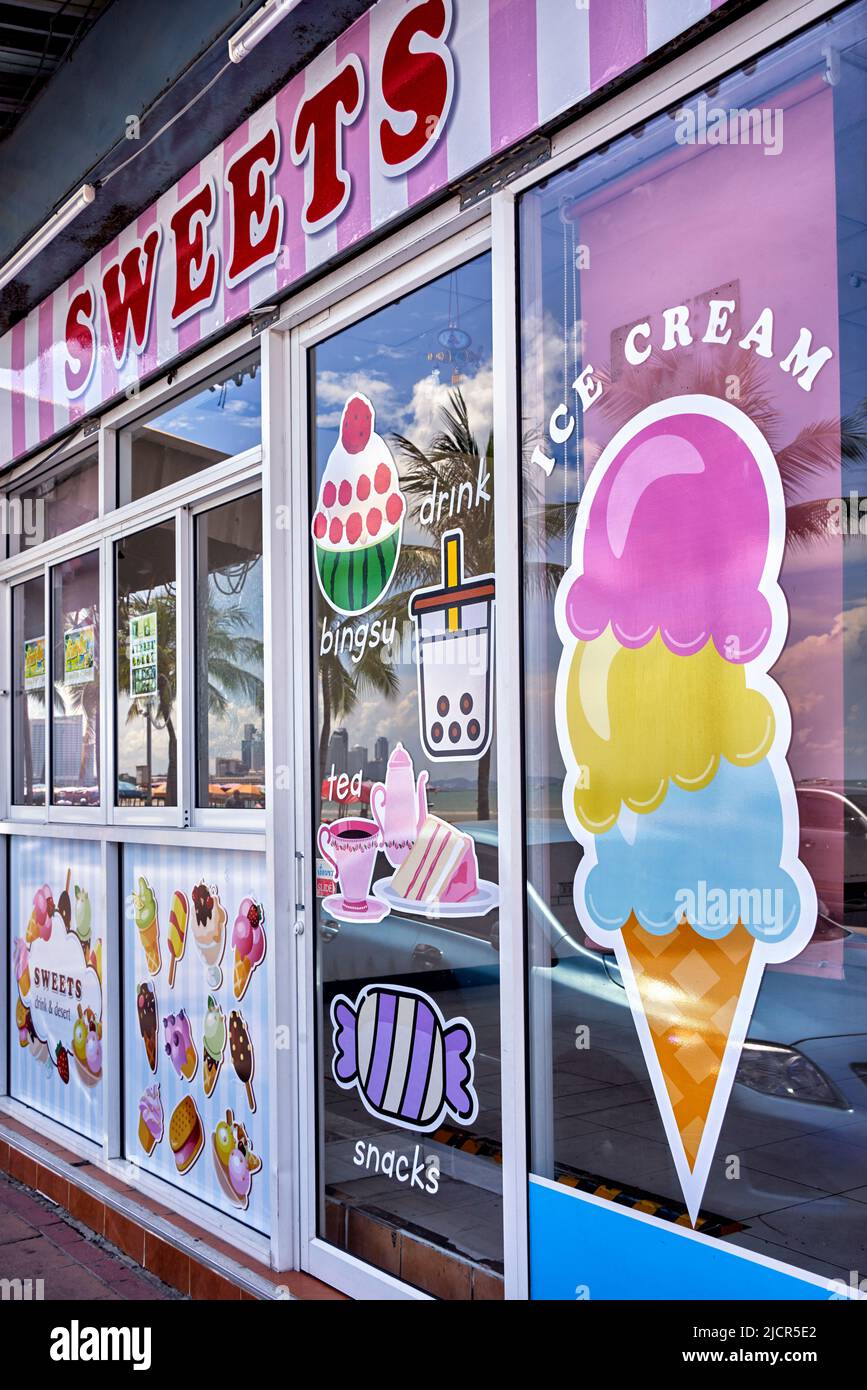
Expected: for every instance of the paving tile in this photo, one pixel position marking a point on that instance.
(833, 1229)
(761, 1245)
(34, 1259)
(63, 1234)
(13, 1227)
(138, 1290)
(73, 1282)
(827, 1162)
(754, 1193)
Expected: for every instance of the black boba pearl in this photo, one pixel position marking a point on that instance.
(473, 730)
(466, 703)
(455, 732)
(436, 733)
(443, 706)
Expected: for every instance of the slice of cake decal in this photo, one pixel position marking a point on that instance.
(454, 646)
(674, 737)
(438, 872)
(358, 521)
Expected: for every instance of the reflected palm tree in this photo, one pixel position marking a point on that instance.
(452, 459)
(819, 449)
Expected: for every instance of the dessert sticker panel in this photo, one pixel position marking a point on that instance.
(56, 980)
(196, 936)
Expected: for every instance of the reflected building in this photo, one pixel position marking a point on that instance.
(338, 751)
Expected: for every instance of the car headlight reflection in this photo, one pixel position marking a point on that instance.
(773, 1070)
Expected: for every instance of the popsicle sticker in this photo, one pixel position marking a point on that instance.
(178, 915)
(454, 630)
(409, 1066)
(243, 1057)
(674, 737)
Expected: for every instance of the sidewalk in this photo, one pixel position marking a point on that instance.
(39, 1240)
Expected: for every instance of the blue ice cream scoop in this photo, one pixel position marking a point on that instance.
(712, 856)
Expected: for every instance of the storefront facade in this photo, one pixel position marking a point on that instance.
(435, 823)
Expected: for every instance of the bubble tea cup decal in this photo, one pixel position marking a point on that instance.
(454, 624)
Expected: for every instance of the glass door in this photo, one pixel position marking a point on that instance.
(401, 848)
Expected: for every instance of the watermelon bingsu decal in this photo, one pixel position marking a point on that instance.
(359, 514)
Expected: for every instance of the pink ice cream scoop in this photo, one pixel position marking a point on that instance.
(676, 542)
(248, 936)
(151, 1109)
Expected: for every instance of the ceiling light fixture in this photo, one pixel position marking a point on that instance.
(257, 26)
(65, 214)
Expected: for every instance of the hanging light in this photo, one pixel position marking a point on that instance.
(258, 26)
(65, 214)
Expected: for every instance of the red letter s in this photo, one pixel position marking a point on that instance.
(417, 81)
(80, 342)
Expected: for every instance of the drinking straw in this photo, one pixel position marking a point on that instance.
(452, 575)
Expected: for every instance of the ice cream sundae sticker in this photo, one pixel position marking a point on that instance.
(674, 737)
(359, 515)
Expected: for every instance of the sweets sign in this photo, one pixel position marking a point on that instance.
(58, 972)
(411, 98)
(674, 737)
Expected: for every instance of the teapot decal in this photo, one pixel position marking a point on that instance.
(399, 806)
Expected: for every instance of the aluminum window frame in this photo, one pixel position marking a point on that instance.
(455, 248)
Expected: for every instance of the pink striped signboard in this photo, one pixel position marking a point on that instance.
(414, 95)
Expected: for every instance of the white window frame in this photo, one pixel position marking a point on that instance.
(456, 247)
(180, 500)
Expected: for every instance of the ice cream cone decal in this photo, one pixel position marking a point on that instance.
(675, 738)
(142, 907)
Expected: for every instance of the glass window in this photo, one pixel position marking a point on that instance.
(695, 598)
(230, 692)
(147, 739)
(28, 693)
(61, 499)
(211, 422)
(405, 798)
(75, 710)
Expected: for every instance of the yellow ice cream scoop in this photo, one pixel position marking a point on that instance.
(641, 718)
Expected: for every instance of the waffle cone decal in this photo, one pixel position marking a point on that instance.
(675, 737)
